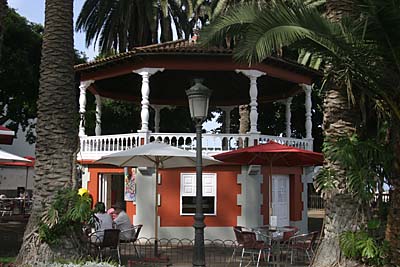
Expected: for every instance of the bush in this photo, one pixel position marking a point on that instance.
(66, 215)
(364, 246)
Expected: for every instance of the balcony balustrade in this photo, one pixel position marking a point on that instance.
(94, 147)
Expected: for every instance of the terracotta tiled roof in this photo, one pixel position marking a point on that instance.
(185, 47)
(179, 46)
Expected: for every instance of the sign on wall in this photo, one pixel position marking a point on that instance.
(130, 184)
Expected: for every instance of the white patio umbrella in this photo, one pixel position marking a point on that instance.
(8, 157)
(157, 155)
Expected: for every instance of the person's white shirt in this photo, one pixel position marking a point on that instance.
(123, 223)
(103, 222)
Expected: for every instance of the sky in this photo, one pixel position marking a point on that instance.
(33, 10)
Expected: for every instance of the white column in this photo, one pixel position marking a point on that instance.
(308, 105)
(288, 116)
(82, 105)
(157, 110)
(253, 75)
(144, 114)
(227, 117)
(98, 115)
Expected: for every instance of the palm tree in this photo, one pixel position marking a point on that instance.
(57, 131)
(123, 24)
(352, 49)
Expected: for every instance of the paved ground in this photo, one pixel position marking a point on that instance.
(11, 234)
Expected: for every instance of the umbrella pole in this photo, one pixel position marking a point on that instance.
(156, 219)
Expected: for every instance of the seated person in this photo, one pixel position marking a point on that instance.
(112, 213)
(102, 221)
(123, 223)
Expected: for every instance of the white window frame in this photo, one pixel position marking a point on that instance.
(209, 189)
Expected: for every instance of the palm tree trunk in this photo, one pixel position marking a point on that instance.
(342, 211)
(57, 131)
(336, 9)
(244, 119)
(3, 12)
(393, 219)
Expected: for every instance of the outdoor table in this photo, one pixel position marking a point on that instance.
(272, 235)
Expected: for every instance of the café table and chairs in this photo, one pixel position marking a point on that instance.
(267, 241)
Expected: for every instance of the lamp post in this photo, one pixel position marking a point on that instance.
(198, 96)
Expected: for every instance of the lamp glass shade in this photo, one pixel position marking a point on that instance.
(198, 96)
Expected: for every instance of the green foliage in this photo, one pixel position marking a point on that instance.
(366, 162)
(325, 180)
(362, 246)
(66, 215)
(19, 72)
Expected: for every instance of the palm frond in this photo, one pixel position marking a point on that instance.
(233, 23)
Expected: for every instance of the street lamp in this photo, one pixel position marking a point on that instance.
(198, 96)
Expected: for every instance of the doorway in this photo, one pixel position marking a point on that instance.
(111, 189)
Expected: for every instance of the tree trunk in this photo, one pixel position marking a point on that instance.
(393, 219)
(337, 9)
(3, 12)
(342, 211)
(57, 131)
(244, 119)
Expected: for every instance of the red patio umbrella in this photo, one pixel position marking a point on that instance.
(272, 153)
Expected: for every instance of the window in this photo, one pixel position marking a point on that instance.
(188, 193)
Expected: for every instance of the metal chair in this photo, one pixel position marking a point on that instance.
(239, 240)
(304, 243)
(6, 207)
(251, 246)
(135, 235)
(109, 240)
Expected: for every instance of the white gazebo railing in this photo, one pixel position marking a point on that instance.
(94, 147)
